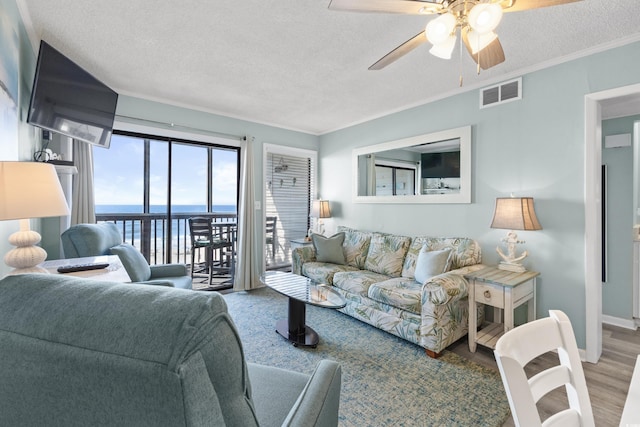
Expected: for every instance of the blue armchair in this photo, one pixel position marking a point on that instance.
(86, 240)
(79, 352)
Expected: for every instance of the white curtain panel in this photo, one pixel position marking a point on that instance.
(248, 261)
(83, 209)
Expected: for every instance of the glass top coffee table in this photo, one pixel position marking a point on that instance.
(300, 290)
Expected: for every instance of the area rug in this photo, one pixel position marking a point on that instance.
(386, 381)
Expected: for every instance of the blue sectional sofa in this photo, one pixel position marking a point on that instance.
(378, 281)
(76, 352)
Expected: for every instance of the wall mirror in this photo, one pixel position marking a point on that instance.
(430, 168)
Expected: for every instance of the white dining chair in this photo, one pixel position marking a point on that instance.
(518, 347)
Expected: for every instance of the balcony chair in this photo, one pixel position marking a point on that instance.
(518, 347)
(87, 240)
(78, 352)
(209, 236)
(270, 231)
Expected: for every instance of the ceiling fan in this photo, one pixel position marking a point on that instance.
(475, 19)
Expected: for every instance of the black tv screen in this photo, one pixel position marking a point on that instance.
(68, 100)
(441, 165)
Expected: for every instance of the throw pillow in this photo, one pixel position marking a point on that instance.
(431, 263)
(133, 261)
(329, 249)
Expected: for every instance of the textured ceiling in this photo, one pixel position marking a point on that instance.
(294, 63)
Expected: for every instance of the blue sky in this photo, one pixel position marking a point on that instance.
(118, 174)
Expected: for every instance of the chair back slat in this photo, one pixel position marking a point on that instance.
(515, 349)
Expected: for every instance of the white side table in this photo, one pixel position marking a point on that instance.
(300, 243)
(504, 291)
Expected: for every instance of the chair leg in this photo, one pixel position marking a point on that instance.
(210, 265)
(193, 257)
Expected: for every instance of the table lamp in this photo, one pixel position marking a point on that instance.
(29, 190)
(320, 209)
(514, 213)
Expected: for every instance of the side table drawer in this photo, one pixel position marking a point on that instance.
(490, 294)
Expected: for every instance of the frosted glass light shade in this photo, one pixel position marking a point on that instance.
(480, 41)
(445, 49)
(439, 29)
(485, 17)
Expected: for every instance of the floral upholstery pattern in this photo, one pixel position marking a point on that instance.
(465, 252)
(399, 292)
(385, 294)
(386, 254)
(356, 246)
(357, 281)
(323, 272)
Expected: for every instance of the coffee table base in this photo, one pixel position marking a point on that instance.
(307, 339)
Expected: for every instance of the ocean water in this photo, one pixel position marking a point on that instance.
(179, 228)
(163, 208)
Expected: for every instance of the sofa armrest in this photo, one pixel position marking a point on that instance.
(301, 255)
(448, 287)
(319, 401)
(168, 270)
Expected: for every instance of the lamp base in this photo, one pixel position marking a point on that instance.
(516, 268)
(26, 256)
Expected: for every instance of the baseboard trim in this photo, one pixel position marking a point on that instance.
(622, 323)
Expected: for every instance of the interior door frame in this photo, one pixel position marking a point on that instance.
(593, 215)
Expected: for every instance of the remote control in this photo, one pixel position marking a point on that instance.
(82, 267)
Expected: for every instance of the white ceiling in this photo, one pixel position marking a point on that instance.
(294, 63)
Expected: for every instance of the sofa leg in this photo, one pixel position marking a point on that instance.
(432, 354)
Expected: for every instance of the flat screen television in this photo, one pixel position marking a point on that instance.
(441, 165)
(68, 100)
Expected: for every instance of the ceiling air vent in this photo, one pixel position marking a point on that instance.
(501, 93)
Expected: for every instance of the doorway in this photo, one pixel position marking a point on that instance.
(626, 100)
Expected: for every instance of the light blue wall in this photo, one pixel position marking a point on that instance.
(533, 147)
(617, 291)
(28, 137)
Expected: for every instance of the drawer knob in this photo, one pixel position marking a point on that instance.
(487, 294)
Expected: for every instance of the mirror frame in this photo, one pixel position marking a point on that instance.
(464, 196)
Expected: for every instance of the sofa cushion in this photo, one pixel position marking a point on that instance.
(133, 261)
(431, 263)
(357, 282)
(398, 292)
(386, 254)
(329, 249)
(356, 246)
(465, 252)
(323, 272)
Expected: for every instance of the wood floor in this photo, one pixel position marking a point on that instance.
(608, 380)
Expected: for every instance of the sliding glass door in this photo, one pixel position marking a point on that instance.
(149, 186)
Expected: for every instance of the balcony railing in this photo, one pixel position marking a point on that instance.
(159, 241)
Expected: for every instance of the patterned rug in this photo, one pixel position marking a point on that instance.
(386, 381)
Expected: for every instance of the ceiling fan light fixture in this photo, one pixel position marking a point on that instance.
(445, 49)
(439, 29)
(485, 17)
(480, 41)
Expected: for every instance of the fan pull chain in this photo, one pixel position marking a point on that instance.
(460, 61)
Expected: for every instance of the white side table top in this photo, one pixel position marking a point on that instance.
(115, 272)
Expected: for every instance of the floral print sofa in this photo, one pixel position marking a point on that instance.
(378, 283)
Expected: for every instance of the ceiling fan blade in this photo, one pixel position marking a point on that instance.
(488, 57)
(411, 7)
(518, 5)
(400, 51)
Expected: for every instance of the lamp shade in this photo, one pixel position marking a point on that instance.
(438, 30)
(515, 213)
(320, 209)
(30, 190)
